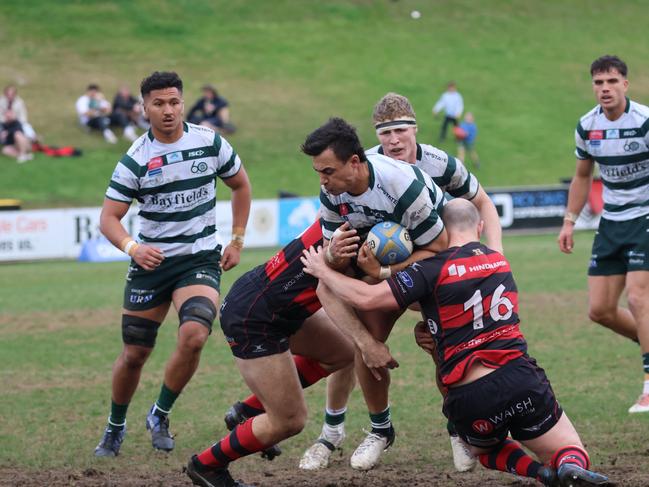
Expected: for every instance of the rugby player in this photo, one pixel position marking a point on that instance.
(615, 135)
(469, 301)
(360, 190)
(396, 128)
(171, 171)
(282, 342)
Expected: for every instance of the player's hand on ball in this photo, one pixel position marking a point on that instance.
(344, 242)
(148, 257)
(367, 262)
(376, 356)
(424, 339)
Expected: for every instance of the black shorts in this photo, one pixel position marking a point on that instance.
(250, 326)
(620, 247)
(517, 398)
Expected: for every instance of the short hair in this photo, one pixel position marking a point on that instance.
(92, 86)
(337, 135)
(606, 63)
(211, 89)
(160, 80)
(391, 107)
(460, 214)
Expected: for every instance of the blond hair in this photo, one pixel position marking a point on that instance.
(392, 107)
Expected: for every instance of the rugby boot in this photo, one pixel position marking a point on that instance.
(317, 456)
(463, 459)
(571, 475)
(548, 476)
(236, 415)
(641, 405)
(210, 476)
(161, 439)
(110, 442)
(368, 453)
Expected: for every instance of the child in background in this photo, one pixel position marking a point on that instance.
(466, 134)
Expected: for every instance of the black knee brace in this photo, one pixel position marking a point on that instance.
(199, 309)
(139, 331)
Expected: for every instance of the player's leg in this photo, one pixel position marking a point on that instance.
(603, 305)
(139, 331)
(275, 381)
(197, 309)
(637, 286)
(376, 395)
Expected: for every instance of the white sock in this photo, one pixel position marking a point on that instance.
(645, 388)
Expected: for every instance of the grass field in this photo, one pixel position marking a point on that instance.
(59, 334)
(287, 65)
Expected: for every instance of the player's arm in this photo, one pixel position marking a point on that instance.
(112, 212)
(342, 247)
(489, 215)
(354, 292)
(240, 201)
(577, 197)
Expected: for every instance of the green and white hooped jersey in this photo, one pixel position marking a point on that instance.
(446, 171)
(397, 192)
(175, 186)
(621, 149)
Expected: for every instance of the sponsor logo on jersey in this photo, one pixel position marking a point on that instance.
(174, 157)
(344, 209)
(258, 349)
(404, 277)
(631, 146)
(624, 171)
(140, 296)
(629, 133)
(456, 270)
(154, 166)
(596, 135)
(595, 143)
(432, 326)
(482, 426)
(387, 195)
(613, 134)
(180, 199)
(195, 153)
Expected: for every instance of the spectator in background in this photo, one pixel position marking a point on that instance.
(127, 112)
(11, 101)
(13, 140)
(452, 104)
(466, 134)
(211, 110)
(94, 112)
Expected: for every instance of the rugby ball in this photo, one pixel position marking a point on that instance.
(389, 242)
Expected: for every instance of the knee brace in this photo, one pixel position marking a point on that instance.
(199, 309)
(139, 331)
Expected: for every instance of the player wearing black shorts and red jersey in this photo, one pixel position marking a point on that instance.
(469, 301)
(282, 342)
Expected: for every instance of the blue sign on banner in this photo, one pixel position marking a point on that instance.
(101, 250)
(295, 215)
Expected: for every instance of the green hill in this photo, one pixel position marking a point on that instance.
(286, 66)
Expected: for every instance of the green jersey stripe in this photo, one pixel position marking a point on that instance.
(134, 167)
(228, 165)
(407, 199)
(120, 188)
(207, 231)
(178, 216)
(644, 128)
(445, 178)
(618, 208)
(180, 185)
(462, 190)
(423, 227)
(636, 183)
(217, 143)
(619, 160)
(326, 203)
(582, 154)
(580, 130)
(331, 226)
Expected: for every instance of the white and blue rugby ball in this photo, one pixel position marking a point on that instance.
(389, 242)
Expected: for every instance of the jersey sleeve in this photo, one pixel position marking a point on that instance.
(125, 181)
(417, 209)
(330, 217)
(414, 282)
(581, 151)
(461, 183)
(228, 161)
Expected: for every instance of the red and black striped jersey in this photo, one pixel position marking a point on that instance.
(289, 290)
(470, 302)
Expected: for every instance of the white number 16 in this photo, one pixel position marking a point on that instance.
(497, 300)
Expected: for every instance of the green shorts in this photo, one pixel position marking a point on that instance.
(148, 289)
(620, 247)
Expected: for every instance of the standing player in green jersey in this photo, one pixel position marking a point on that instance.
(171, 171)
(396, 128)
(615, 135)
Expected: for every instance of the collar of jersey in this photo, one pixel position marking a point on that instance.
(150, 132)
(626, 108)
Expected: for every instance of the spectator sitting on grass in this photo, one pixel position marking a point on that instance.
(94, 112)
(211, 110)
(11, 101)
(13, 140)
(127, 113)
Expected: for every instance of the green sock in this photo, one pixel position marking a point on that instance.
(117, 418)
(381, 421)
(334, 417)
(165, 401)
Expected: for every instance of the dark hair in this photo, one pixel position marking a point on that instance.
(160, 80)
(606, 63)
(92, 86)
(337, 135)
(211, 89)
